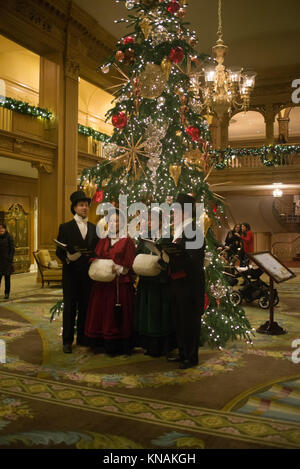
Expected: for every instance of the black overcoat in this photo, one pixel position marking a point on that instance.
(7, 251)
(75, 280)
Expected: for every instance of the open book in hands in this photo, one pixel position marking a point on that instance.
(158, 247)
(73, 249)
(163, 249)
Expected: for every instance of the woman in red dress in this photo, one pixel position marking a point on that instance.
(102, 323)
(248, 240)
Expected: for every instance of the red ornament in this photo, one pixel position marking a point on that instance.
(215, 207)
(193, 132)
(176, 55)
(128, 40)
(119, 120)
(206, 301)
(98, 197)
(173, 7)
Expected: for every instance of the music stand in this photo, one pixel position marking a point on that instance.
(278, 273)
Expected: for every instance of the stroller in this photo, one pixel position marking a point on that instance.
(252, 289)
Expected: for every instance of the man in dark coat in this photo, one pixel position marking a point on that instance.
(79, 235)
(7, 251)
(188, 286)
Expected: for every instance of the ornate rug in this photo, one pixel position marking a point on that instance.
(244, 396)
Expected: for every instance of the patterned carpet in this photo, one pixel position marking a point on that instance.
(240, 397)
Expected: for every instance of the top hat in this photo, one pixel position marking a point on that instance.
(78, 196)
(185, 199)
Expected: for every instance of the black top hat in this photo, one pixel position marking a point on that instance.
(78, 196)
(185, 199)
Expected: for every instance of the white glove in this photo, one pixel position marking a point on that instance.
(120, 270)
(73, 257)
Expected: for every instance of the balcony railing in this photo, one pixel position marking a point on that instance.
(27, 126)
(257, 158)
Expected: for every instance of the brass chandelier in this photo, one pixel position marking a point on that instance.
(217, 90)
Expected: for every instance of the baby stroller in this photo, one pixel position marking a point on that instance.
(252, 289)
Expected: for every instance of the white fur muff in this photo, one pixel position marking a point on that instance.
(101, 270)
(146, 265)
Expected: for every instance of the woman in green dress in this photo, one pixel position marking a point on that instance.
(153, 322)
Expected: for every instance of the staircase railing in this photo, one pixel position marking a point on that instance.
(284, 212)
(284, 243)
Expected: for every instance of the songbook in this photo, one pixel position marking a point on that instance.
(157, 248)
(73, 249)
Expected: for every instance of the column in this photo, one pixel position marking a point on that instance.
(213, 128)
(59, 93)
(50, 187)
(71, 69)
(283, 123)
(269, 120)
(224, 131)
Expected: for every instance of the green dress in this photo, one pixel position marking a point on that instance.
(153, 322)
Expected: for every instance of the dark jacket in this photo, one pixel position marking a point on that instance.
(7, 250)
(69, 234)
(233, 242)
(189, 264)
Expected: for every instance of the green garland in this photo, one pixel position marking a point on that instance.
(270, 155)
(25, 108)
(89, 132)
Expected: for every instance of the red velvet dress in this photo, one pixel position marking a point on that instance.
(100, 321)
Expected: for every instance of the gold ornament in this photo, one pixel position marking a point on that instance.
(175, 172)
(123, 79)
(90, 188)
(206, 222)
(130, 157)
(166, 67)
(152, 81)
(194, 157)
(146, 27)
(105, 182)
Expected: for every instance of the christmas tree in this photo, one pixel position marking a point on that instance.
(161, 145)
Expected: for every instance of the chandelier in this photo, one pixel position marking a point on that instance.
(222, 90)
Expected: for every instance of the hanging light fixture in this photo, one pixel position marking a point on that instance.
(222, 90)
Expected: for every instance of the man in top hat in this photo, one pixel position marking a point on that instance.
(186, 269)
(79, 235)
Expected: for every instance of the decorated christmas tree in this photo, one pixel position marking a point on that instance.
(161, 145)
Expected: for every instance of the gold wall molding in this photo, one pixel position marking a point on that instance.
(34, 14)
(72, 68)
(27, 149)
(48, 27)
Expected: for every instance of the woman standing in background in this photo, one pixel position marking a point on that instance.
(248, 239)
(7, 251)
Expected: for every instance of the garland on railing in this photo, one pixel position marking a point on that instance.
(89, 132)
(270, 155)
(34, 111)
(24, 108)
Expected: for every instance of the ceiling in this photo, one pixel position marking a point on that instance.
(260, 33)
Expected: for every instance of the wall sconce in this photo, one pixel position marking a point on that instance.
(277, 192)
